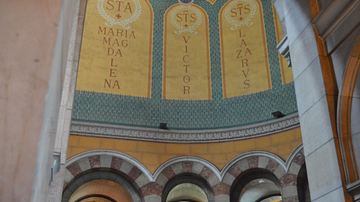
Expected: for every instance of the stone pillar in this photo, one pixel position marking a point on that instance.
(325, 180)
(72, 17)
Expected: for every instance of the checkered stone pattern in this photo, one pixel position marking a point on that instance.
(289, 181)
(287, 178)
(152, 192)
(74, 171)
(244, 164)
(150, 188)
(70, 188)
(196, 168)
(253, 162)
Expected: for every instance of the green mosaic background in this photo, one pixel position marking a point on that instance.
(193, 114)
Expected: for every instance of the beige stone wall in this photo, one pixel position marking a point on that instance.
(27, 37)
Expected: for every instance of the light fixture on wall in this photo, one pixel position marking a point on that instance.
(163, 126)
(277, 114)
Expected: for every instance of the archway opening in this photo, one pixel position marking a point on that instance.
(101, 191)
(303, 185)
(187, 187)
(256, 185)
(260, 190)
(95, 198)
(186, 192)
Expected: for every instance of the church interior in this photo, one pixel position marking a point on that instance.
(180, 101)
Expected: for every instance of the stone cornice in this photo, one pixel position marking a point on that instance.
(333, 15)
(185, 136)
(284, 50)
(354, 190)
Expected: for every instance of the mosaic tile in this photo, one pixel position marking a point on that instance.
(192, 114)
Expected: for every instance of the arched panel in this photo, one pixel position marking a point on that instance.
(244, 53)
(116, 51)
(186, 73)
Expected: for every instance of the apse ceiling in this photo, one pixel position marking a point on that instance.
(193, 65)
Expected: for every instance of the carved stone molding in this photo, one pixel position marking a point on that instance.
(185, 136)
(334, 15)
(354, 190)
(336, 22)
(283, 48)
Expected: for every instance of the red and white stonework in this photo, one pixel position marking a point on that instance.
(145, 186)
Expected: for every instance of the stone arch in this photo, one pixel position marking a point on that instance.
(188, 178)
(345, 118)
(289, 181)
(109, 165)
(96, 195)
(257, 164)
(253, 159)
(249, 180)
(188, 169)
(100, 174)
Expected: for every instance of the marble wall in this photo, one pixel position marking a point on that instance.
(35, 43)
(28, 100)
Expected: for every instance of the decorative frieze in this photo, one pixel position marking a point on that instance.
(160, 135)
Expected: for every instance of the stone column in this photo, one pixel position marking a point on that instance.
(317, 129)
(72, 15)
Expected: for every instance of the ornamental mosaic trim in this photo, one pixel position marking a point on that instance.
(191, 136)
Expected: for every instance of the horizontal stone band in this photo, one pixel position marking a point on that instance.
(185, 136)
